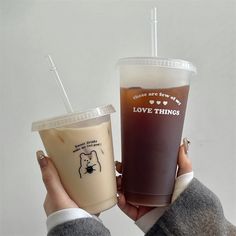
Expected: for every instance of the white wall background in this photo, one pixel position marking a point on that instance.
(86, 38)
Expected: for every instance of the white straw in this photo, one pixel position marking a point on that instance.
(64, 96)
(154, 31)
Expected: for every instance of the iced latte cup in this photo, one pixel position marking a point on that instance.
(153, 100)
(80, 146)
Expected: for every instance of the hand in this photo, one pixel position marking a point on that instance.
(135, 212)
(56, 198)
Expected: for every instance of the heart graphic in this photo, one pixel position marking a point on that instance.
(158, 102)
(165, 103)
(151, 101)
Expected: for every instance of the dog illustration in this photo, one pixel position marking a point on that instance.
(89, 164)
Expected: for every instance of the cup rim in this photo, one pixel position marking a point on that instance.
(158, 61)
(72, 118)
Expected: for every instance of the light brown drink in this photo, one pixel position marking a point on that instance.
(152, 123)
(80, 146)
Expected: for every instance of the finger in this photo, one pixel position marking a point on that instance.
(50, 176)
(127, 208)
(184, 163)
(118, 166)
(119, 183)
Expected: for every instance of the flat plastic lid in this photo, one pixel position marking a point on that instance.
(158, 61)
(71, 118)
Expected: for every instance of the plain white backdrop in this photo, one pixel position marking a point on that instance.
(86, 38)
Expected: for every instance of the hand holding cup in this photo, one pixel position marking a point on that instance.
(135, 212)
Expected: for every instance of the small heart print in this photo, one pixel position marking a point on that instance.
(158, 102)
(165, 103)
(151, 101)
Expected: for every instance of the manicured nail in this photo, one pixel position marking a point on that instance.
(42, 160)
(118, 166)
(186, 143)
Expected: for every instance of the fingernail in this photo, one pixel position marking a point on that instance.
(117, 163)
(186, 143)
(42, 160)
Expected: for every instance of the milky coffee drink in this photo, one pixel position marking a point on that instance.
(82, 151)
(153, 105)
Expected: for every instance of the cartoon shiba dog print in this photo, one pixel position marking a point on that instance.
(89, 164)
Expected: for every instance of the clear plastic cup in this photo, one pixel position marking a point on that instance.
(80, 146)
(154, 93)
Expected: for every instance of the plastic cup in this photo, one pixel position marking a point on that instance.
(80, 146)
(153, 94)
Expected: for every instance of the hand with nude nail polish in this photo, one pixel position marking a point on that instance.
(56, 198)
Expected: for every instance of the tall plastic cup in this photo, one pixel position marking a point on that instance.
(153, 99)
(80, 146)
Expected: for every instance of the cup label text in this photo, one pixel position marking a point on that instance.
(157, 103)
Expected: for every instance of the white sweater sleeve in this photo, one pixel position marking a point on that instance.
(148, 220)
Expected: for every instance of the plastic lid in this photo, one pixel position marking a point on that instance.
(158, 61)
(61, 121)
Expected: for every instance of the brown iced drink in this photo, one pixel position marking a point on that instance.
(153, 99)
(152, 122)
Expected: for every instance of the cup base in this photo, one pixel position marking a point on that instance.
(148, 200)
(101, 206)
